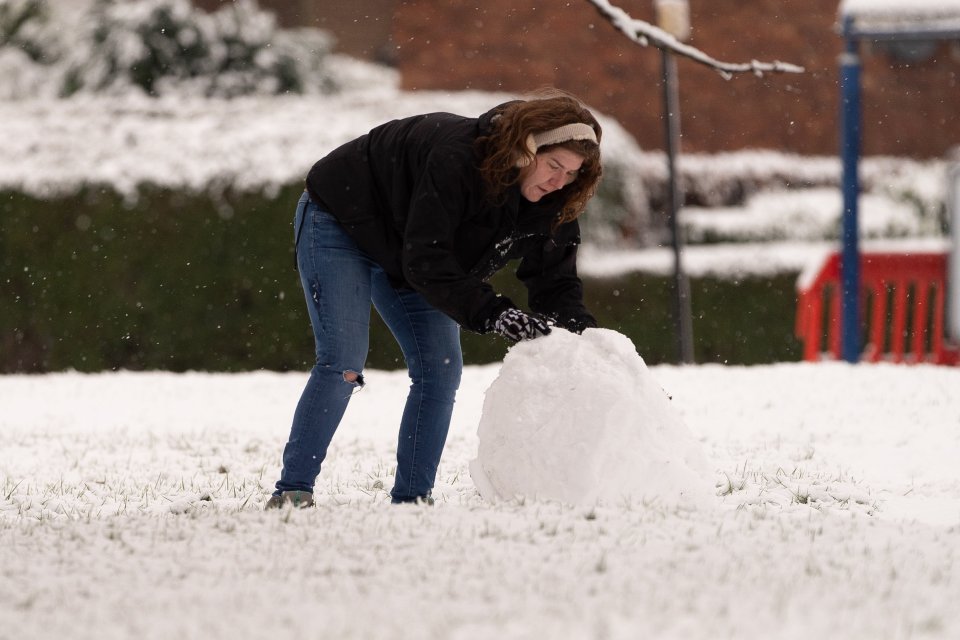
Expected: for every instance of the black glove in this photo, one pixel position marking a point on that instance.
(515, 325)
(574, 323)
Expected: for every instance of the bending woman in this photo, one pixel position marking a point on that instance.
(415, 217)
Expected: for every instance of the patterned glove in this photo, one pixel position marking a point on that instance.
(515, 325)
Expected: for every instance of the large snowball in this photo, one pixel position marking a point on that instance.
(581, 420)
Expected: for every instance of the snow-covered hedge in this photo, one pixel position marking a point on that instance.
(164, 95)
(155, 46)
(253, 143)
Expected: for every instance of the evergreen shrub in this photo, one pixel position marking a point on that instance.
(178, 281)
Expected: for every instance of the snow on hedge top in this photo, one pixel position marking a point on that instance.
(903, 14)
(53, 147)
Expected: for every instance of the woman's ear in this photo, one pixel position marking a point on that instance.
(526, 158)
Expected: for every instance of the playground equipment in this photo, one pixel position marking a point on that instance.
(903, 300)
(909, 302)
(891, 21)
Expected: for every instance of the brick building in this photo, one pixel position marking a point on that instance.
(362, 27)
(910, 108)
(910, 96)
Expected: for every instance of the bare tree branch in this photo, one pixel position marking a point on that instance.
(644, 33)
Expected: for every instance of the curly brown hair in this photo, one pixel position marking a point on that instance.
(505, 150)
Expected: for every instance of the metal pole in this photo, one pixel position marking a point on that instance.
(681, 285)
(850, 155)
(953, 265)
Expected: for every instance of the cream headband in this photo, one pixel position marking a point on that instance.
(574, 131)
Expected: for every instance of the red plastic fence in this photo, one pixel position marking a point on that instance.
(901, 307)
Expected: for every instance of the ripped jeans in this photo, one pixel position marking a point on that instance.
(340, 282)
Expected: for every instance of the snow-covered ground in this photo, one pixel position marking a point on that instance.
(131, 503)
(130, 506)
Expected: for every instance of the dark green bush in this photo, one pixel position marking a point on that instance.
(182, 281)
(174, 282)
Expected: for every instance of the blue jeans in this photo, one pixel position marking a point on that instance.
(340, 282)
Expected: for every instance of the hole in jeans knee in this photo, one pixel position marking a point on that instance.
(353, 378)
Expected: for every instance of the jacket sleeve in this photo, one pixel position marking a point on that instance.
(554, 287)
(429, 261)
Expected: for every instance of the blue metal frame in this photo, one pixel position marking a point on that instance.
(850, 156)
(850, 119)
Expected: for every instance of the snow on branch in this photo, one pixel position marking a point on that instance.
(644, 33)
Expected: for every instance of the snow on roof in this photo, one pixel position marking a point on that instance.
(903, 15)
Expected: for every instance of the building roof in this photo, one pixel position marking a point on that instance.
(904, 18)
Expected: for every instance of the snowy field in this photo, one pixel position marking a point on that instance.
(131, 503)
(131, 507)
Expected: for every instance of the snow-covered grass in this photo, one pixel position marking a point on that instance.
(130, 506)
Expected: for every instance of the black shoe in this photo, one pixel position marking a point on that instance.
(427, 500)
(298, 499)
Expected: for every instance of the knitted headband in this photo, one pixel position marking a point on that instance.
(573, 131)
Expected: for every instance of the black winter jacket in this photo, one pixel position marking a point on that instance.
(410, 194)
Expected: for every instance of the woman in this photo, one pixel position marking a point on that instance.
(416, 216)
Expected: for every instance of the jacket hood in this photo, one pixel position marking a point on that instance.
(485, 121)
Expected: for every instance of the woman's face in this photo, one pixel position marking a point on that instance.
(550, 171)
